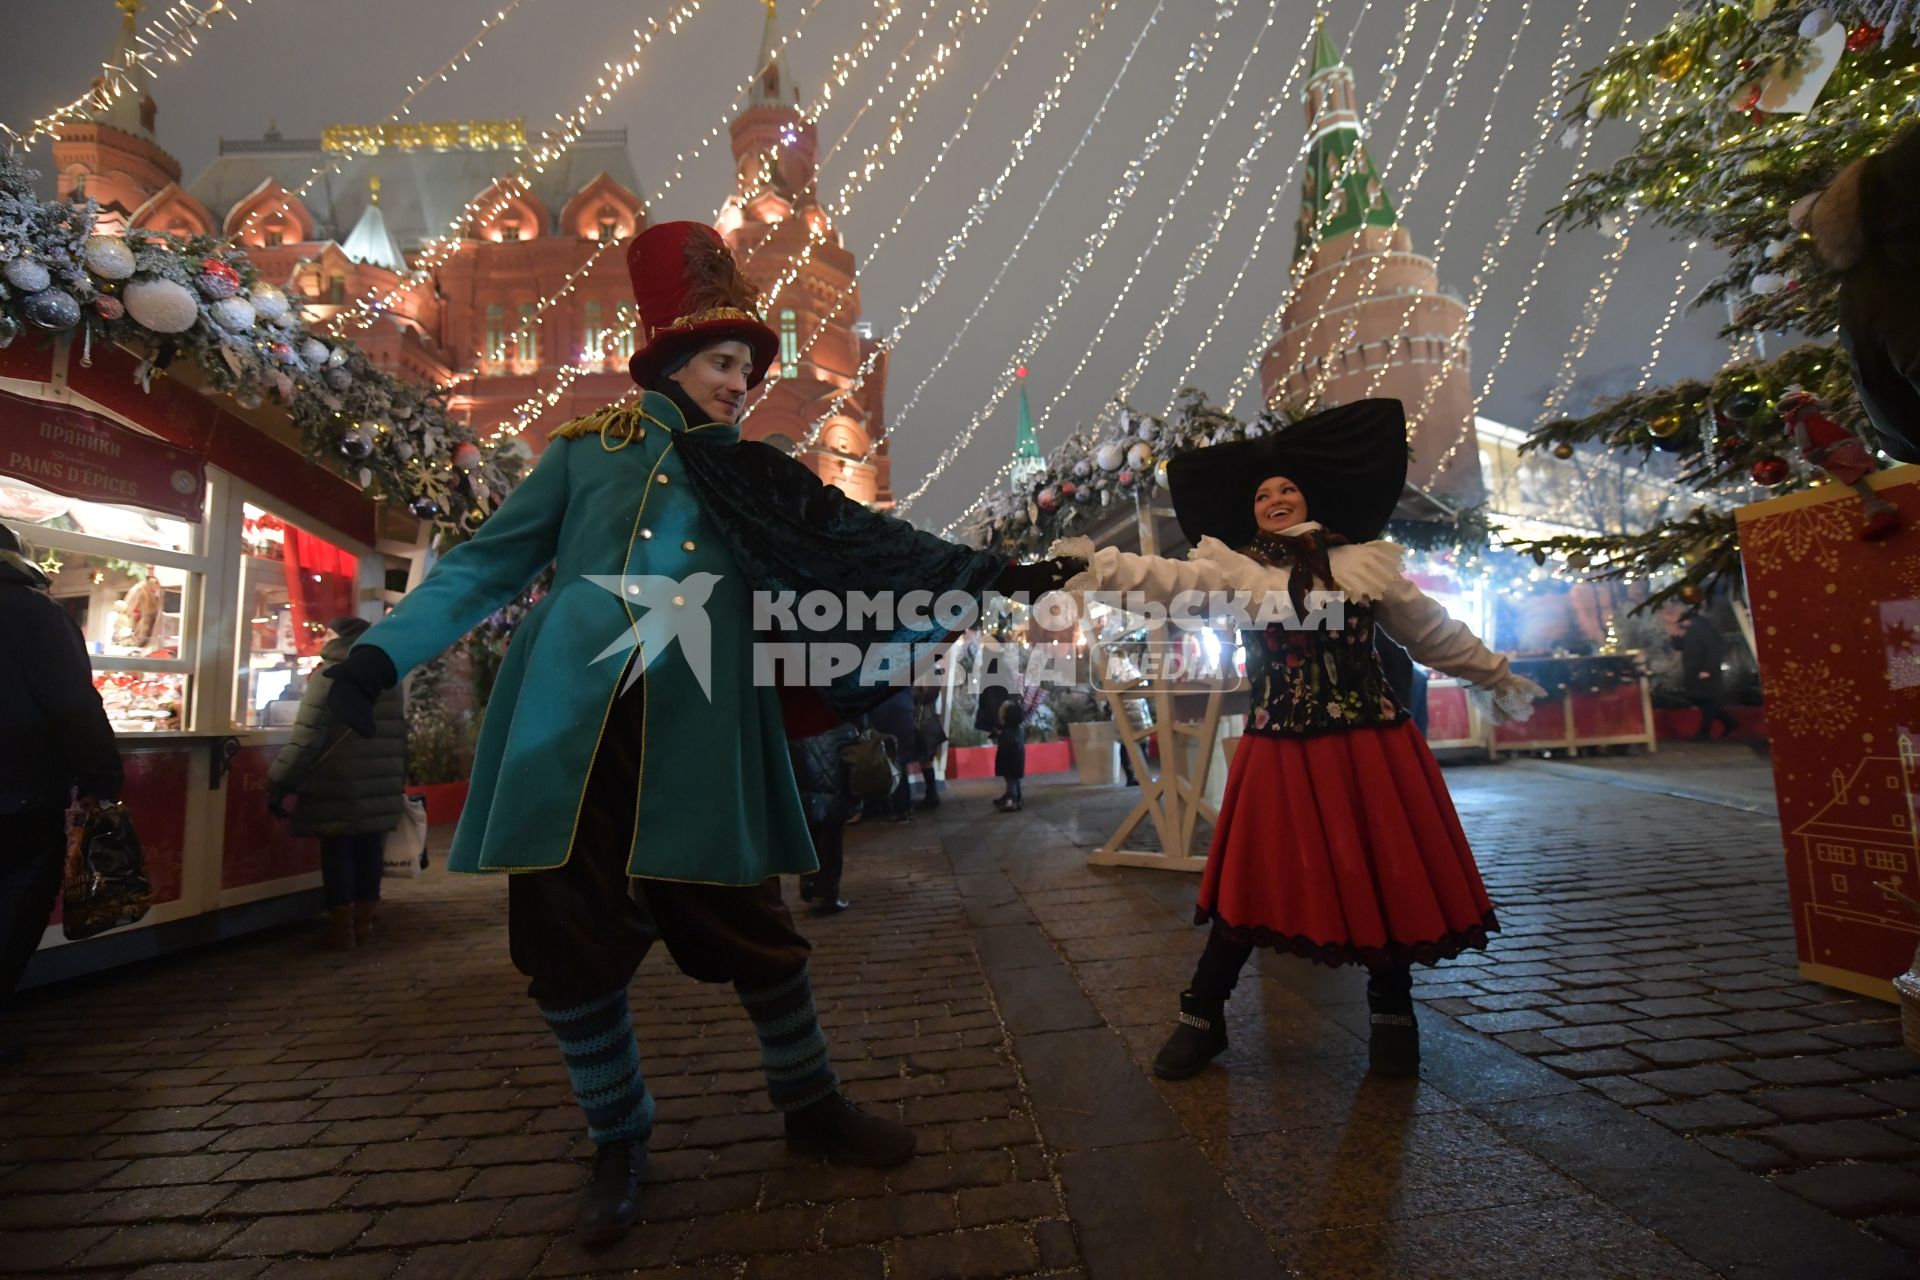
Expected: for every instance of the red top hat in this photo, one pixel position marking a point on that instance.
(692, 295)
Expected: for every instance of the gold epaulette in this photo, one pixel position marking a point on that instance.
(616, 426)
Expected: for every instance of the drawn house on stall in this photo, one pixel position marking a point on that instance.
(1862, 836)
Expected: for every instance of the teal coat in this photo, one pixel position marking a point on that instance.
(718, 804)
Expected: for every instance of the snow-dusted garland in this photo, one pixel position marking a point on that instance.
(1084, 476)
(170, 297)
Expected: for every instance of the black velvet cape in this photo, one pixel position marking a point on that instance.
(790, 531)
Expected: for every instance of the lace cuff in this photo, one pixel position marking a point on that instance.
(1510, 697)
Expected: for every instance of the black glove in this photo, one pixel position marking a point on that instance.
(277, 804)
(357, 682)
(1036, 579)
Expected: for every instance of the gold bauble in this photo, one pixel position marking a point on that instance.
(1674, 63)
(1563, 451)
(1692, 594)
(1667, 424)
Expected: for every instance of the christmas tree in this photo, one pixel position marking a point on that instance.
(1745, 110)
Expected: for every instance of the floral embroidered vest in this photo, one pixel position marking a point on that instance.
(1303, 683)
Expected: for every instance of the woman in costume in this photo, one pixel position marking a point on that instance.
(632, 778)
(1336, 839)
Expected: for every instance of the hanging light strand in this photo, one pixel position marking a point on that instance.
(1303, 259)
(871, 161)
(988, 197)
(534, 407)
(462, 57)
(172, 37)
(1173, 206)
(1547, 117)
(1192, 69)
(1466, 177)
(556, 143)
(1005, 469)
(819, 329)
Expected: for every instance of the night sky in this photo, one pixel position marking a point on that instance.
(306, 64)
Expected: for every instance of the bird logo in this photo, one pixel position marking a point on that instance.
(663, 610)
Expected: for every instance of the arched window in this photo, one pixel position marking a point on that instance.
(496, 348)
(529, 335)
(789, 345)
(274, 238)
(629, 324)
(337, 291)
(609, 225)
(593, 328)
(509, 232)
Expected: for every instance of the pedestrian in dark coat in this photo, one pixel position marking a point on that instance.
(54, 741)
(894, 717)
(1010, 750)
(929, 735)
(1702, 650)
(351, 792)
(822, 778)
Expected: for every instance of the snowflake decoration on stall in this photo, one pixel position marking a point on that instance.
(1814, 531)
(1811, 698)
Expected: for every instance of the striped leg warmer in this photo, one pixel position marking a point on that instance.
(792, 1046)
(603, 1063)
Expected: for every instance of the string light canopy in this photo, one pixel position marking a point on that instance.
(462, 57)
(988, 197)
(534, 407)
(172, 37)
(1192, 68)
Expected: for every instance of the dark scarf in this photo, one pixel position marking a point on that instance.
(1304, 556)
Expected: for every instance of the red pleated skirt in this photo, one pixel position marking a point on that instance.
(1344, 848)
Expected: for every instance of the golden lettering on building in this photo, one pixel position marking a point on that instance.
(437, 135)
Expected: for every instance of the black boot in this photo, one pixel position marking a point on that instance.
(1198, 1040)
(611, 1200)
(1393, 1037)
(835, 1128)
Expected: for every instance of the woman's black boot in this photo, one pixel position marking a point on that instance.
(1198, 1040)
(1393, 1037)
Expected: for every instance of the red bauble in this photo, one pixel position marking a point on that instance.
(1729, 445)
(1864, 37)
(1770, 471)
(222, 274)
(1066, 488)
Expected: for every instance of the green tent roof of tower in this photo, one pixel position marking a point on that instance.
(1026, 444)
(1342, 190)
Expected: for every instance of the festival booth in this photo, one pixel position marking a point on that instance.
(201, 554)
(1836, 625)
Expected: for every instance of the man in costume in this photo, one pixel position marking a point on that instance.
(651, 796)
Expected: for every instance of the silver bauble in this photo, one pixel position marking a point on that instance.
(108, 257)
(1110, 456)
(161, 305)
(27, 275)
(235, 315)
(269, 302)
(314, 351)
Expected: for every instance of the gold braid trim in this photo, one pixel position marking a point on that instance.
(616, 426)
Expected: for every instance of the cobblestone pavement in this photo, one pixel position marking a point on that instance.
(1633, 1082)
(266, 1109)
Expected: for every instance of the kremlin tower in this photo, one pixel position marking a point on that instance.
(777, 229)
(1368, 317)
(1028, 464)
(113, 157)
